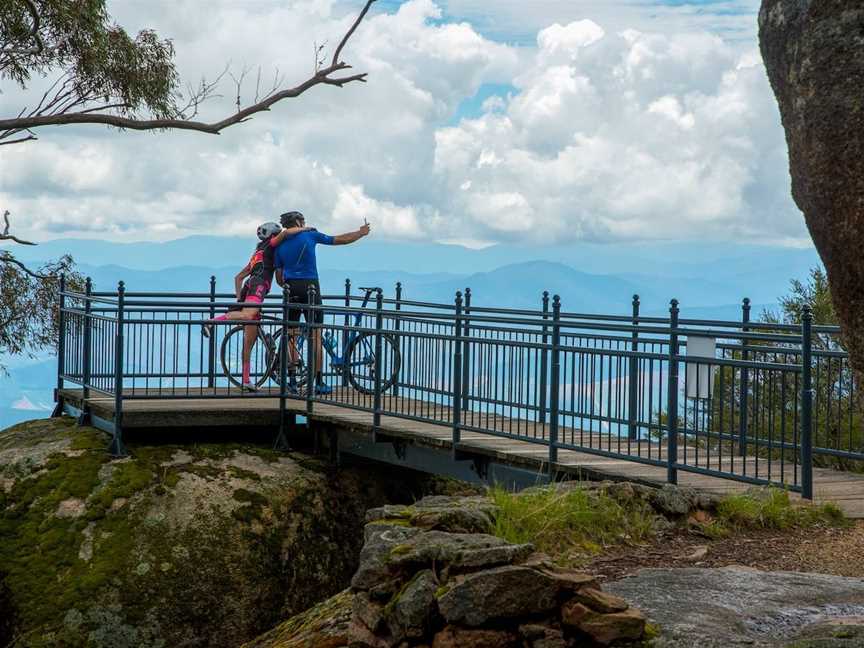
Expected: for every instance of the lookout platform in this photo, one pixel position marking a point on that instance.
(479, 456)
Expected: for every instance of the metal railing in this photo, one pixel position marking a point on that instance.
(743, 400)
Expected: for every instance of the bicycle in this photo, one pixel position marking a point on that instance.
(357, 364)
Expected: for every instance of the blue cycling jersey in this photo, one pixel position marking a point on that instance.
(295, 256)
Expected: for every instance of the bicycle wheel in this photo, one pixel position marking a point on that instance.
(260, 361)
(297, 366)
(360, 362)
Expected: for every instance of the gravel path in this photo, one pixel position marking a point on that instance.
(836, 551)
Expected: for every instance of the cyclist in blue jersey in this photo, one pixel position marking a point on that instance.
(296, 264)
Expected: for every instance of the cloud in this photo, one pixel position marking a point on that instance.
(606, 132)
(627, 135)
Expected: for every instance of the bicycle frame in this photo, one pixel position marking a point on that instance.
(338, 362)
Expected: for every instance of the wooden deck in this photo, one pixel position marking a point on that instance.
(844, 488)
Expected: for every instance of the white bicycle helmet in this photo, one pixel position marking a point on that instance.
(267, 230)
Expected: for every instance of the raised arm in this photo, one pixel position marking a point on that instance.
(350, 237)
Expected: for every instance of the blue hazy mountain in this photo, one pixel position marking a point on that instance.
(661, 259)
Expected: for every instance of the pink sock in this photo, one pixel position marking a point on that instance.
(246, 370)
(220, 318)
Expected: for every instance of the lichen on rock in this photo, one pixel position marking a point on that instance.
(199, 545)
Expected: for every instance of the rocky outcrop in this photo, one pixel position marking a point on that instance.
(436, 585)
(199, 545)
(812, 52)
(734, 606)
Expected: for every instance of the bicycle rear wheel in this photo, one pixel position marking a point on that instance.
(360, 362)
(260, 360)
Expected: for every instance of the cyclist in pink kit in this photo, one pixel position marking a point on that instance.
(258, 274)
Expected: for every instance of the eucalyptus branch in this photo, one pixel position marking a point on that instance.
(6, 257)
(58, 111)
(39, 46)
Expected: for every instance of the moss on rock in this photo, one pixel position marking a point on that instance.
(204, 545)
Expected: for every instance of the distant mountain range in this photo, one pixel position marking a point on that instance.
(729, 266)
(709, 280)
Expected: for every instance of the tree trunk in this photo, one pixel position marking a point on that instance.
(814, 53)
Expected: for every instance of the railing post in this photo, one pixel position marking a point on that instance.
(466, 354)
(672, 400)
(397, 326)
(311, 351)
(555, 385)
(117, 448)
(211, 343)
(281, 440)
(456, 401)
(806, 404)
(61, 348)
(84, 417)
(544, 361)
(345, 331)
(745, 381)
(379, 325)
(633, 380)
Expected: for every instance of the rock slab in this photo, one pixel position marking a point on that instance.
(716, 608)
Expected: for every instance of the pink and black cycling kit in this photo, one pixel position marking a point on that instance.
(261, 268)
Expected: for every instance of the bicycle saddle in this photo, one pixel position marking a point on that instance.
(368, 289)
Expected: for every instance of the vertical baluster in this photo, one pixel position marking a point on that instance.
(745, 382)
(284, 421)
(633, 379)
(544, 362)
(84, 417)
(61, 347)
(311, 349)
(379, 325)
(555, 385)
(117, 448)
(211, 343)
(672, 398)
(397, 326)
(456, 402)
(806, 404)
(466, 355)
(345, 332)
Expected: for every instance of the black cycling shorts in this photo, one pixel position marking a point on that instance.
(300, 295)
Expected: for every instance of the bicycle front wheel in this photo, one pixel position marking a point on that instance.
(360, 362)
(260, 361)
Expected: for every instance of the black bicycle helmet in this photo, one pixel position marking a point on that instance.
(291, 219)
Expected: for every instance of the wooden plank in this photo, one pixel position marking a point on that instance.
(847, 489)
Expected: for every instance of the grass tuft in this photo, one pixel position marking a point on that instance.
(771, 508)
(570, 525)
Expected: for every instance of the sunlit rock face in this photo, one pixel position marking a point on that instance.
(812, 52)
(195, 545)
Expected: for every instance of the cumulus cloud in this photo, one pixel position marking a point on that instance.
(611, 133)
(627, 135)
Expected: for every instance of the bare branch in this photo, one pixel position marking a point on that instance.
(343, 80)
(345, 38)
(6, 236)
(58, 110)
(39, 47)
(19, 140)
(6, 257)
